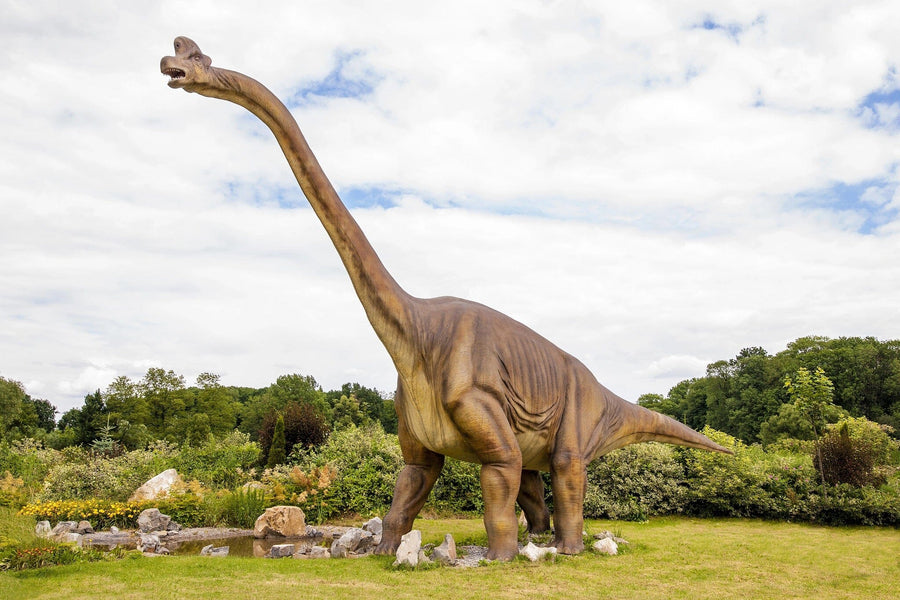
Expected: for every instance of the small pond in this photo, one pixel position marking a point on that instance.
(245, 545)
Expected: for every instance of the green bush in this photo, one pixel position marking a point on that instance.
(724, 485)
(458, 489)
(241, 507)
(29, 461)
(635, 482)
(219, 463)
(366, 462)
(88, 475)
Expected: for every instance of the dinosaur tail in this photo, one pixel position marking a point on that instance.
(638, 424)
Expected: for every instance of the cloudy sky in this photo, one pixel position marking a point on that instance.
(651, 188)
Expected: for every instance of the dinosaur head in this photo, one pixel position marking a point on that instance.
(189, 69)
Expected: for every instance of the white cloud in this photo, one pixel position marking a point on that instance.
(619, 178)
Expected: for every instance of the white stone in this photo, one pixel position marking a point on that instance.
(42, 529)
(157, 486)
(606, 546)
(535, 553)
(408, 550)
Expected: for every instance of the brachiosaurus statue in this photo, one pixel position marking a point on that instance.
(473, 383)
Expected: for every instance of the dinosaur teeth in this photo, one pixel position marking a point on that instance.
(175, 73)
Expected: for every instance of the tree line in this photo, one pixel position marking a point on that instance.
(130, 413)
(749, 396)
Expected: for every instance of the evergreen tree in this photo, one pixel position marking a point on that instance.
(276, 450)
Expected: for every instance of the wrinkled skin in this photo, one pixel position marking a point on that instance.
(473, 384)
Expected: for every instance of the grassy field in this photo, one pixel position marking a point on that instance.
(667, 558)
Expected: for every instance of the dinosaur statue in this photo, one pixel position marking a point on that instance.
(473, 384)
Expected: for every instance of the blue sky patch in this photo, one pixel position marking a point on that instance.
(865, 199)
(881, 109)
(368, 197)
(346, 80)
(258, 193)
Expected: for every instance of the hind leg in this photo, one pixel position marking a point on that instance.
(531, 499)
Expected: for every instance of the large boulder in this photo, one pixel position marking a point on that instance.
(280, 521)
(158, 486)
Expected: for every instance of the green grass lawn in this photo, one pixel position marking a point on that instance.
(667, 558)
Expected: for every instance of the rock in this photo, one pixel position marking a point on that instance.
(338, 550)
(535, 553)
(148, 542)
(173, 527)
(408, 551)
(114, 530)
(84, 527)
(71, 538)
(606, 546)
(374, 526)
(283, 521)
(609, 535)
(319, 552)
(162, 550)
(446, 552)
(523, 520)
(356, 540)
(281, 551)
(158, 486)
(63, 527)
(42, 529)
(153, 520)
(210, 550)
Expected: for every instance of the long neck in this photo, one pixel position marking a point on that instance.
(386, 304)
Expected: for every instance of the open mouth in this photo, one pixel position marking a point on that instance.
(174, 74)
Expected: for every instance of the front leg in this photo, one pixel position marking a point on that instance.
(568, 478)
(413, 486)
(483, 424)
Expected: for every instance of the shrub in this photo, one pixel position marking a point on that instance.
(29, 461)
(221, 463)
(88, 475)
(458, 489)
(365, 461)
(303, 425)
(635, 482)
(845, 460)
(12, 491)
(241, 507)
(723, 485)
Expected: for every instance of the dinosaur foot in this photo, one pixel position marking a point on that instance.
(570, 546)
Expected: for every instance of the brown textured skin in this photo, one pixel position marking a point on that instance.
(473, 384)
